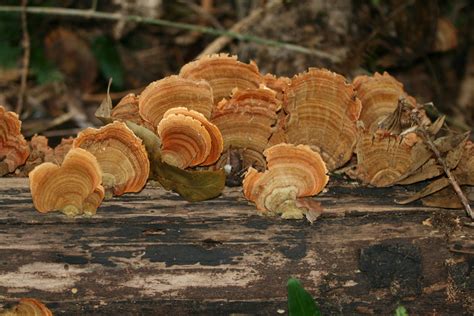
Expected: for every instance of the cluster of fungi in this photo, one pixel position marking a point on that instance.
(278, 137)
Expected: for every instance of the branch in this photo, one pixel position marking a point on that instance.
(178, 25)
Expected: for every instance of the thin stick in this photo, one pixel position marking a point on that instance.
(184, 26)
(26, 58)
(451, 178)
(218, 44)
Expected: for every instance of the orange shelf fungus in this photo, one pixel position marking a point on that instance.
(322, 113)
(293, 172)
(28, 307)
(278, 84)
(120, 154)
(379, 95)
(61, 150)
(224, 73)
(14, 149)
(246, 120)
(189, 139)
(174, 91)
(66, 188)
(39, 152)
(127, 110)
(382, 159)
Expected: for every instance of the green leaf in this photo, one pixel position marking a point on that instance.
(401, 311)
(44, 71)
(108, 57)
(191, 185)
(9, 55)
(300, 302)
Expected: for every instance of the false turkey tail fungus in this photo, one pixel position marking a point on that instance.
(14, 149)
(224, 73)
(293, 171)
(322, 113)
(174, 91)
(68, 188)
(120, 154)
(28, 307)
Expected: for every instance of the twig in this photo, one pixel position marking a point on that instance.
(26, 57)
(50, 124)
(184, 26)
(427, 137)
(218, 44)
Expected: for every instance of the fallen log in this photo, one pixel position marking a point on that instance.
(154, 253)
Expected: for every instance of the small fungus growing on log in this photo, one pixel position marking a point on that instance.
(127, 110)
(68, 188)
(189, 139)
(224, 73)
(293, 172)
(379, 95)
(322, 113)
(174, 91)
(120, 154)
(28, 307)
(14, 149)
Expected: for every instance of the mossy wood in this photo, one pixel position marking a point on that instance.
(155, 253)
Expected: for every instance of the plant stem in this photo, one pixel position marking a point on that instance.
(184, 26)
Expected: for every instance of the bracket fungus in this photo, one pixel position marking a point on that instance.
(61, 150)
(28, 307)
(224, 73)
(246, 120)
(72, 188)
(127, 110)
(14, 149)
(293, 172)
(379, 95)
(120, 154)
(322, 113)
(39, 152)
(174, 91)
(277, 84)
(188, 139)
(382, 159)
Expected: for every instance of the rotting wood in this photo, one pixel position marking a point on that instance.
(155, 253)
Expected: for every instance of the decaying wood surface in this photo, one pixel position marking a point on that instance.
(153, 253)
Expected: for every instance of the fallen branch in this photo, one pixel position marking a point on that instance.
(92, 14)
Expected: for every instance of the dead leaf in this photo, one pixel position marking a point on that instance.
(431, 188)
(423, 168)
(454, 156)
(434, 128)
(104, 112)
(446, 198)
(428, 171)
(192, 185)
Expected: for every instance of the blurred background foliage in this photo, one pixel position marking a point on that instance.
(72, 58)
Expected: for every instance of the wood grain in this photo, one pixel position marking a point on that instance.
(153, 253)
